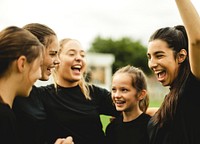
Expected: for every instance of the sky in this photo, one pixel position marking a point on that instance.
(86, 19)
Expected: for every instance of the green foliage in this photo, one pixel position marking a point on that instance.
(125, 50)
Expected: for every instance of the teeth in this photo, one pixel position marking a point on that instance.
(78, 66)
(157, 72)
(119, 102)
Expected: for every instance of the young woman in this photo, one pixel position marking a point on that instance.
(176, 64)
(30, 112)
(20, 60)
(50, 41)
(129, 94)
(72, 105)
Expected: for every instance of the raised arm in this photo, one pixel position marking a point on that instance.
(191, 21)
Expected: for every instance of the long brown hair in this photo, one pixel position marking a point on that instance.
(176, 38)
(42, 32)
(14, 42)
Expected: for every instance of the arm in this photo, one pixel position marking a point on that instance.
(191, 22)
(152, 110)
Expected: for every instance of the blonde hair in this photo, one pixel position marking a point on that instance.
(82, 83)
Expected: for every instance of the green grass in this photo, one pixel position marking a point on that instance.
(105, 121)
(154, 103)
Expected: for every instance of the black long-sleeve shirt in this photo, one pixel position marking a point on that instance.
(65, 112)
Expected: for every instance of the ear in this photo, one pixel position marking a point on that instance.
(142, 94)
(182, 56)
(21, 61)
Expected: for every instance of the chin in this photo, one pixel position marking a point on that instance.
(44, 78)
(119, 109)
(77, 78)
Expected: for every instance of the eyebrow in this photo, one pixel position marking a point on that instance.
(157, 52)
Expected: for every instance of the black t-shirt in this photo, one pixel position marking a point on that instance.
(65, 112)
(133, 132)
(8, 129)
(31, 118)
(185, 127)
(71, 114)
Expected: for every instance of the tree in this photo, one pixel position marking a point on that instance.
(125, 50)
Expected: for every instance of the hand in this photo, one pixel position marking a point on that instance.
(68, 140)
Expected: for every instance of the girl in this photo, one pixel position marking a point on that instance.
(72, 106)
(30, 111)
(176, 64)
(129, 94)
(20, 60)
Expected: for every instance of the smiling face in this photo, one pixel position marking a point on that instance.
(72, 64)
(124, 95)
(162, 62)
(50, 57)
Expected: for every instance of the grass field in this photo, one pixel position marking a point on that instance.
(106, 119)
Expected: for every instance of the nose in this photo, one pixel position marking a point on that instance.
(152, 63)
(116, 94)
(56, 61)
(78, 57)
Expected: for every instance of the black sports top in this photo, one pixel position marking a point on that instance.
(185, 127)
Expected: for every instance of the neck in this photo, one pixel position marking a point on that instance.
(66, 83)
(7, 91)
(131, 115)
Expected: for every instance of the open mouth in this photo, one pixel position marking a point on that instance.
(161, 75)
(119, 102)
(76, 68)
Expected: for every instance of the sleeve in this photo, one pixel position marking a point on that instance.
(32, 105)
(105, 103)
(31, 117)
(109, 133)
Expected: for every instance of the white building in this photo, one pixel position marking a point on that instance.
(100, 66)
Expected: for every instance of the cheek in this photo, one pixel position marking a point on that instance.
(149, 64)
(84, 65)
(64, 67)
(37, 74)
(47, 61)
(112, 96)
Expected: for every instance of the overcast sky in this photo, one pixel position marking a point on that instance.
(85, 19)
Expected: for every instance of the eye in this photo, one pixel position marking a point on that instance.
(159, 56)
(124, 90)
(71, 53)
(82, 54)
(53, 54)
(113, 90)
(148, 57)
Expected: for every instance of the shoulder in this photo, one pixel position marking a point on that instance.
(191, 84)
(6, 112)
(44, 89)
(114, 123)
(193, 80)
(144, 118)
(98, 90)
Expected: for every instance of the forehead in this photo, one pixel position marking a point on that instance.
(52, 44)
(157, 45)
(73, 45)
(122, 78)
